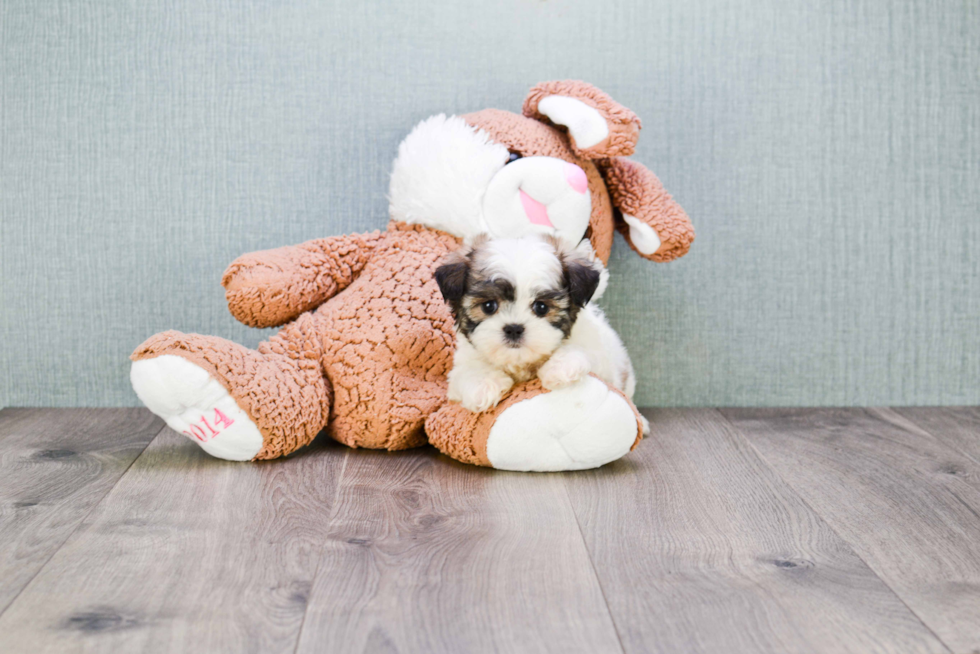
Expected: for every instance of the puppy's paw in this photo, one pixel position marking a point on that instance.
(645, 424)
(562, 369)
(481, 393)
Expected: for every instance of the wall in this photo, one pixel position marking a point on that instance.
(828, 153)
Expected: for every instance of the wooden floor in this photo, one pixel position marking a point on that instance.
(777, 530)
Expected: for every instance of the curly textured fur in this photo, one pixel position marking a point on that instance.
(369, 340)
(624, 127)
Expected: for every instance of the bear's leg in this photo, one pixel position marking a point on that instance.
(584, 425)
(236, 403)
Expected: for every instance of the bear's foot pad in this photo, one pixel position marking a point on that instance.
(583, 425)
(195, 404)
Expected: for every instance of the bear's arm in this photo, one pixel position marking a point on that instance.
(272, 287)
(654, 225)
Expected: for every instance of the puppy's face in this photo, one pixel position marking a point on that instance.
(515, 300)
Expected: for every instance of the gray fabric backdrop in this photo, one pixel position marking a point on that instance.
(828, 153)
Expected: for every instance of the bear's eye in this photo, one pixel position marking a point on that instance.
(514, 156)
(539, 308)
(489, 307)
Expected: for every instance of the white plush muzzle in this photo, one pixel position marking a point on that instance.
(538, 194)
(453, 177)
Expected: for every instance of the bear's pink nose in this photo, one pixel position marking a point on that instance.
(576, 178)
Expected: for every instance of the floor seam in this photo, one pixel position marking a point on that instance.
(595, 573)
(319, 557)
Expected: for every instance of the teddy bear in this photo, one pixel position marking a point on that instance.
(366, 339)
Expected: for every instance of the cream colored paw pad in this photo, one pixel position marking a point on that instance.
(193, 403)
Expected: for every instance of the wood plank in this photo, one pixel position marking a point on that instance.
(55, 466)
(429, 555)
(955, 427)
(906, 502)
(700, 547)
(187, 554)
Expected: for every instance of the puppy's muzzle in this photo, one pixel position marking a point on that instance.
(513, 333)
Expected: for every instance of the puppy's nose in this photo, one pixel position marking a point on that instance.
(513, 331)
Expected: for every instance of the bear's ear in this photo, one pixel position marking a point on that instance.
(597, 125)
(654, 225)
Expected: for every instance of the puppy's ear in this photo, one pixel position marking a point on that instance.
(582, 279)
(451, 277)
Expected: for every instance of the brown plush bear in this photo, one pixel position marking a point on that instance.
(368, 339)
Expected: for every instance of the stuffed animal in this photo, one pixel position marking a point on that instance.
(367, 339)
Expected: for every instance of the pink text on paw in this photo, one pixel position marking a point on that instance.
(220, 421)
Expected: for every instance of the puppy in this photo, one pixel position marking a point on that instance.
(522, 308)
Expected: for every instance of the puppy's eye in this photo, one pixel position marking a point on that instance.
(539, 308)
(514, 156)
(489, 307)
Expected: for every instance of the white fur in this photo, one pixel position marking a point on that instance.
(473, 382)
(586, 124)
(484, 358)
(593, 346)
(450, 176)
(531, 266)
(441, 172)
